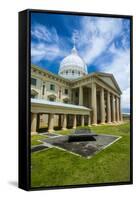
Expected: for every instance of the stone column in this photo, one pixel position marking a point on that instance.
(94, 103)
(102, 106)
(80, 95)
(113, 108)
(51, 123)
(82, 120)
(120, 113)
(71, 96)
(89, 120)
(117, 109)
(59, 121)
(74, 121)
(33, 123)
(64, 122)
(108, 108)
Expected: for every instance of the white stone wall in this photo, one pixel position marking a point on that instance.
(47, 91)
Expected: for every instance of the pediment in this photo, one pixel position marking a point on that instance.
(110, 80)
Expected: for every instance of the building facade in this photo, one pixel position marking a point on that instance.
(73, 97)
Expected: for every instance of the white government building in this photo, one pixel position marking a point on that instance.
(73, 97)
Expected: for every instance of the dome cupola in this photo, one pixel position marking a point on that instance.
(73, 66)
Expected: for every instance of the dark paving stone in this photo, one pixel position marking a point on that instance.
(81, 137)
(38, 148)
(83, 148)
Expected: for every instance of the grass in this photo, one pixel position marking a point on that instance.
(35, 138)
(54, 167)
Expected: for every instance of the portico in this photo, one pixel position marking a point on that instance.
(89, 100)
(103, 98)
(52, 109)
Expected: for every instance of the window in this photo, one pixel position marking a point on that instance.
(72, 72)
(66, 72)
(52, 87)
(33, 81)
(43, 89)
(66, 91)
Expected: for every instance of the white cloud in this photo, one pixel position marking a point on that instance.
(48, 45)
(126, 98)
(96, 34)
(120, 68)
(42, 51)
(42, 33)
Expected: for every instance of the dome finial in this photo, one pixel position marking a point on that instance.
(74, 50)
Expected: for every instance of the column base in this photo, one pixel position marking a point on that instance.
(51, 130)
(74, 127)
(94, 124)
(102, 123)
(34, 133)
(63, 129)
(89, 125)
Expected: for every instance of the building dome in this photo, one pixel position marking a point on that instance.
(72, 66)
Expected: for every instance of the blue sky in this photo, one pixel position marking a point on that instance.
(103, 43)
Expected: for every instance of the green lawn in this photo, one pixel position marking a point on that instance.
(54, 167)
(35, 138)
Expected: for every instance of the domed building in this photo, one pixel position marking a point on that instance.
(73, 66)
(73, 97)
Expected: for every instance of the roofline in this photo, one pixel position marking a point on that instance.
(58, 104)
(112, 76)
(50, 73)
(80, 78)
